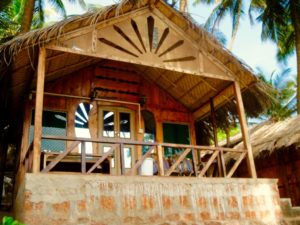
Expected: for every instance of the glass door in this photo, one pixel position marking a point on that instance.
(117, 124)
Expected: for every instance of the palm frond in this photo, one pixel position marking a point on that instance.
(58, 5)
(215, 17)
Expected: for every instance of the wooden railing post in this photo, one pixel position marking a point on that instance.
(122, 159)
(83, 160)
(195, 162)
(244, 129)
(160, 159)
(39, 111)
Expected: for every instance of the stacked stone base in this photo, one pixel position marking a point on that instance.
(69, 199)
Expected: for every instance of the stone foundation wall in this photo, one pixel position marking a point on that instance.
(51, 199)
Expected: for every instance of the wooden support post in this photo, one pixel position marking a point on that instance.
(160, 159)
(244, 129)
(221, 165)
(39, 111)
(83, 162)
(25, 136)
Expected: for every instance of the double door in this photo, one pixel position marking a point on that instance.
(117, 123)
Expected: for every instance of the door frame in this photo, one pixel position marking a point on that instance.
(116, 169)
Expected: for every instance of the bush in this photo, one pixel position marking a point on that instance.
(10, 221)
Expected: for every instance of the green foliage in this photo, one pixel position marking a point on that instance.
(233, 8)
(12, 12)
(10, 221)
(277, 24)
(233, 130)
(284, 93)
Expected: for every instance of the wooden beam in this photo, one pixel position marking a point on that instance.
(138, 62)
(39, 110)
(244, 129)
(130, 142)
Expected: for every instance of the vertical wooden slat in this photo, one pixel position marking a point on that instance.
(83, 160)
(160, 158)
(195, 162)
(39, 110)
(122, 159)
(244, 129)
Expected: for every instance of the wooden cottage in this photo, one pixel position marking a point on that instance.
(102, 92)
(276, 154)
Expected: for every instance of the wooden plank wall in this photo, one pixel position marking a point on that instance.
(113, 82)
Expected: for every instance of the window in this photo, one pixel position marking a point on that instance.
(82, 125)
(54, 123)
(108, 124)
(175, 133)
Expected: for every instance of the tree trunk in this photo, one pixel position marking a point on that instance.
(27, 16)
(235, 30)
(183, 5)
(296, 24)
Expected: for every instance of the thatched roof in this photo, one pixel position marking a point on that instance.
(269, 136)
(19, 61)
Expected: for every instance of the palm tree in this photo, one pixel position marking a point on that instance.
(235, 8)
(281, 23)
(284, 94)
(32, 6)
(10, 19)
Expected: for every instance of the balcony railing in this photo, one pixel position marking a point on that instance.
(197, 153)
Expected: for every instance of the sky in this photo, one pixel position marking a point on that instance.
(248, 45)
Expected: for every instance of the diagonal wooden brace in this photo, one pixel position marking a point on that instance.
(104, 156)
(181, 157)
(60, 157)
(236, 164)
(141, 160)
(208, 164)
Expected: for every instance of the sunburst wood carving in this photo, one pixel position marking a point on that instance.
(141, 47)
